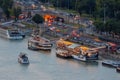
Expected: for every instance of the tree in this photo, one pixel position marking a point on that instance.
(99, 25)
(17, 11)
(7, 13)
(38, 19)
(106, 11)
(6, 5)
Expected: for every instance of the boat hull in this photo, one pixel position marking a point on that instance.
(10, 34)
(15, 38)
(80, 58)
(64, 57)
(118, 70)
(33, 48)
(38, 48)
(21, 61)
(109, 64)
(92, 57)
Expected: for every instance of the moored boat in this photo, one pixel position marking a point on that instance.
(79, 52)
(118, 68)
(11, 33)
(92, 55)
(39, 43)
(84, 53)
(79, 57)
(110, 63)
(23, 59)
(63, 54)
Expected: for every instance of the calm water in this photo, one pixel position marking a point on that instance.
(46, 66)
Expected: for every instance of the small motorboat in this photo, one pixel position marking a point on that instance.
(23, 59)
(118, 68)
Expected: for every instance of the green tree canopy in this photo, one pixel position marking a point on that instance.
(6, 5)
(17, 11)
(38, 19)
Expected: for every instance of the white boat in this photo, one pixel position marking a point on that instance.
(23, 59)
(39, 43)
(79, 57)
(10, 33)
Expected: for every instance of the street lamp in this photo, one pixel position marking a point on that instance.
(57, 4)
(104, 13)
(68, 5)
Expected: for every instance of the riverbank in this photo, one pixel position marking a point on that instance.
(109, 55)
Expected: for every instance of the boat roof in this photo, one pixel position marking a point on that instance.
(22, 54)
(7, 27)
(39, 39)
(73, 45)
(65, 42)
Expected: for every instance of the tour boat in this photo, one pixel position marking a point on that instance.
(39, 43)
(23, 59)
(10, 33)
(79, 52)
(63, 54)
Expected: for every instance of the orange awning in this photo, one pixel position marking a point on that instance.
(84, 48)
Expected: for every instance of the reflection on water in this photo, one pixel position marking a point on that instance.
(24, 67)
(45, 52)
(91, 63)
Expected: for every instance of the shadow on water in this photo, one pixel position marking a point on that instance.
(108, 66)
(87, 63)
(48, 52)
(62, 60)
(92, 63)
(24, 66)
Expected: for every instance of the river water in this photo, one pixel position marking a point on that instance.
(46, 66)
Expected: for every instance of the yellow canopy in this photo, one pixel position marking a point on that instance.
(65, 42)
